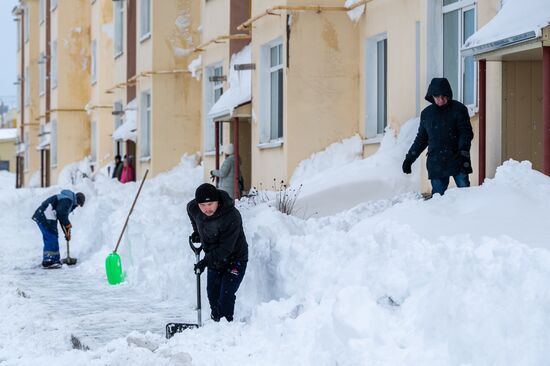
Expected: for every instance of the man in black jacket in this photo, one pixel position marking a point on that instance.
(446, 130)
(56, 208)
(217, 224)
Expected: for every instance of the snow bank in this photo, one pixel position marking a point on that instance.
(7, 180)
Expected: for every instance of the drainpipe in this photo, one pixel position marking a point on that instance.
(22, 76)
(546, 106)
(217, 143)
(482, 118)
(236, 170)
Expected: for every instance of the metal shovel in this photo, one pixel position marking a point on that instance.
(69, 261)
(173, 328)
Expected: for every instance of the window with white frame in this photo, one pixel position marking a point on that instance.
(145, 125)
(213, 91)
(42, 73)
(53, 5)
(118, 110)
(376, 77)
(54, 65)
(27, 84)
(271, 92)
(145, 18)
(53, 143)
(459, 23)
(19, 32)
(93, 142)
(93, 65)
(42, 10)
(119, 28)
(27, 25)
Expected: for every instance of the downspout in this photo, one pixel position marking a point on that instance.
(546, 106)
(21, 167)
(482, 118)
(236, 170)
(45, 164)
(217, 142)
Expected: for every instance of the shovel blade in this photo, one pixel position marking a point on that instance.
(113, 267)
(69, 261)
(173, 328)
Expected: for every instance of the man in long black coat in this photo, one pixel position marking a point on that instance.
(446, 131)
(217, 224)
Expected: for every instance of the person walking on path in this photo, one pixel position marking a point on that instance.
(217, 224)
(446, 131)
(56, 208)
(117, 171)
(227, 171)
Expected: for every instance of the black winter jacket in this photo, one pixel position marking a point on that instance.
(56, 208)
(446, 131)
(222, 234)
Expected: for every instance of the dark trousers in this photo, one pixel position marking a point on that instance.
(440, 185)
(51, 244)
(221, 288)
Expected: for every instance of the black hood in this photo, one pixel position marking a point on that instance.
(439, 86)
(226, 203)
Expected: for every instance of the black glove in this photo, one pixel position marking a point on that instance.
(199, 267)
(407, 164)
(195, 237)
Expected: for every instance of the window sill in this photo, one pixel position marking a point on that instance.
(210, 153)
(145, 37)
(145, 159)
(273, 144)
(93, 82)
(373, 140)
(53, 166)
(117, 55)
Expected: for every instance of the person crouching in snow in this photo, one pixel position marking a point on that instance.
(56, 208)
(217, 224)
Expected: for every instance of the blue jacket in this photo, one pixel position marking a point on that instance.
(56, 208)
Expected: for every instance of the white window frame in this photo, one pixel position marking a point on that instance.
(145, 126)
(118, 106)
(373, 99)
(53, 5)
(27, 25)
(26, 80)
(145, 20)
(93, 63)
(461, 6)
(42, 9)
(42, 74)
(118, 42)
(93, 142)
(27, 149)
(53, 144)
(54, 64)
(267, 140)
(209, 98)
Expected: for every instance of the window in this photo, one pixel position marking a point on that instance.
(42, 11)
(276, 91)
(93, 65)
(119, 28)
(42, 72)
(459, 23)
(53, 143)
(94, 142)
(19, 32)
(54, 65)
(118, 113)
(376, 81)
(27, 84)
(27, 143)
(27, 25)
(53, 5)
(213, 92)
(145, 19)
(145, 125)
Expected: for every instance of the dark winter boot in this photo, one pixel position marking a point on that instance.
(51, 264)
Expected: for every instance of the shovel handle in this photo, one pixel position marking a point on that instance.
(196, 250)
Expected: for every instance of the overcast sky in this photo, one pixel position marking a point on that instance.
(8, 39)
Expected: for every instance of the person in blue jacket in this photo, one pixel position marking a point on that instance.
(56, 208)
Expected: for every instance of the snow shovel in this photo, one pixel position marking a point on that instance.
(173, 328)
(69, 260)
(113, 264)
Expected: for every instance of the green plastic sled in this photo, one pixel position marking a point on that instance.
(113, 267)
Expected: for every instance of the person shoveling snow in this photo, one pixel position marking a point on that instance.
(56, 208)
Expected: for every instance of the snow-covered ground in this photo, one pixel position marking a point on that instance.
(389, 280)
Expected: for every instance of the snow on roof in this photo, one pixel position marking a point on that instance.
(240, 91)
(8, 134)
(517, 21)
(356, 13)
(45, 136)
(127, 130)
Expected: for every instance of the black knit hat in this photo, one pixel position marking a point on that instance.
(80, 199)
(206, 192)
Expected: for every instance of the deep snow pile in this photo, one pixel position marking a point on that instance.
(456, 280)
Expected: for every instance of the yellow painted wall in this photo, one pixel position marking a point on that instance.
(7, 152)
(101, 102)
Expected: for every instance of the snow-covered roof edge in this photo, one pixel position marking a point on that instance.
(508, 27)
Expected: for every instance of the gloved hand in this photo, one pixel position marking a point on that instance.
(407, 164)
(199, 267)
(465, 162)
(67, 231)
(212, 177)
(195, 237)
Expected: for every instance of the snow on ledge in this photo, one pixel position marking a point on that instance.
(356, 13)
(508, 26)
